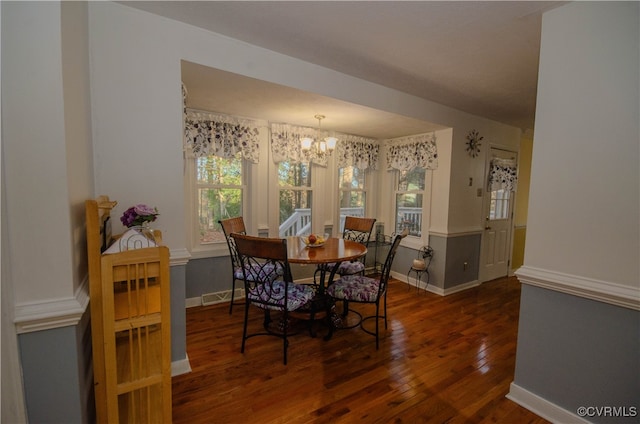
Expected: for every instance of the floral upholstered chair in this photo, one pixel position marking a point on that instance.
(361, 289)
(268, 284)
(355, 229)
(231, 226)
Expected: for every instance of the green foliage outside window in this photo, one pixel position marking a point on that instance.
(293, 175)
(409, 197)
(219, 183)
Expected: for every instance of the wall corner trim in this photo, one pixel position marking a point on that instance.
(53, 313)
(181, 366)
(179, 257)
(542, 407)
(602, 291)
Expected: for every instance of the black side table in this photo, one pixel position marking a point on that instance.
(420, 266)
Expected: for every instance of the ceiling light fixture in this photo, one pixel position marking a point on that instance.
(322, 145)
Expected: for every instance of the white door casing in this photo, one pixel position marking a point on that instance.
(497, 240)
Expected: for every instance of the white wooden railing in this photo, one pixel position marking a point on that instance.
(299, 222)
(410, 218)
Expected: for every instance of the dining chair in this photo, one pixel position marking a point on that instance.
(357, 229)
(229, 226)
(361, 289)
(265, 287)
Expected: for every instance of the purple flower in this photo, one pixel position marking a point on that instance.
(138, 214)
(145, 210)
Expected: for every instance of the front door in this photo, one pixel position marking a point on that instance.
(498, 215)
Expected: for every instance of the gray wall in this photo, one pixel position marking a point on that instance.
(578, 352)
(178, 313)
(213, 275)
(450, 254)
(57, 374)
(578, 341)
(208, 275)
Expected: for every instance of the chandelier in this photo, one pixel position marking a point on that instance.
(320, 144)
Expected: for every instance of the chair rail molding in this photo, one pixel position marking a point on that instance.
(602, 291)
(54, 313)
(179, 257)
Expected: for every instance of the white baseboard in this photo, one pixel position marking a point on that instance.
(434, 289)
(180, 367)
(461, 287)
(192, 302)
(542, 407)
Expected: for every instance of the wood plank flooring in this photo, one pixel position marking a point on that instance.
(442, 360)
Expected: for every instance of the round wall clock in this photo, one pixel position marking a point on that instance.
(473, 143)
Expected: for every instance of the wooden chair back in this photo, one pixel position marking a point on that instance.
(386, 268)
(358, 229)
(233, 226)
(261, 247)
(263, 261)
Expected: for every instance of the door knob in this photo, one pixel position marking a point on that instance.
(487, 227)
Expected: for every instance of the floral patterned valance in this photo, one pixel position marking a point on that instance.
(351, 150)
(503, 174)
(221, 135)
(285, 144)
(414, 151)
(357, 151)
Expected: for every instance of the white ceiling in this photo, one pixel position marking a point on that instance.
(480, 57)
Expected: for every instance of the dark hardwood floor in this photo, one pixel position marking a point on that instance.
(442, 360)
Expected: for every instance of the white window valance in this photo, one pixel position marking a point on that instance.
(221, 135)
(357, 151)
(503, 174)
(414, 151)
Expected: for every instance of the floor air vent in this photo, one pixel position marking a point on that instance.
(219, 297)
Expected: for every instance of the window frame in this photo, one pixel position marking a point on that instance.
(425, 192)
(307, 188)
(365, 190)
(192, 186)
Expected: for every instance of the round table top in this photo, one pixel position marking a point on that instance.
(333, 250)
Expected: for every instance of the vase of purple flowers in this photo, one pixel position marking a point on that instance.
(139, 218)
(139, 215)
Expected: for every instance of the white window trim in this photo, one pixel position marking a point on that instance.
(197, 250)
(415, 242)
(368, 206)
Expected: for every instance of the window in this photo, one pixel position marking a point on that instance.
(499, 207)
(218, 195)
(295, 198)
(352, 193)
(409, 198)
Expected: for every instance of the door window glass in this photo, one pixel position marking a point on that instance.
(499, 206)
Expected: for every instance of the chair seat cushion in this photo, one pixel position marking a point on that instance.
(356, 288)
(345, 268)
(273, 293)
(268, 268)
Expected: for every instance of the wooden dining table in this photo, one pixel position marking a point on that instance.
(333, 251)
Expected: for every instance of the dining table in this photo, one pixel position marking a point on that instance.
(333, 251)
